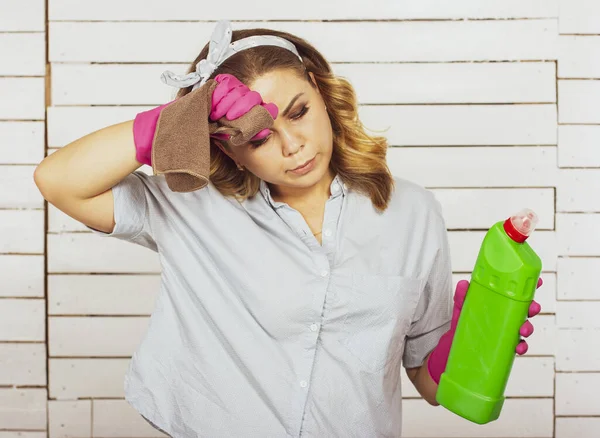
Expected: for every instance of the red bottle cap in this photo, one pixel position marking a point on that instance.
(520, 226)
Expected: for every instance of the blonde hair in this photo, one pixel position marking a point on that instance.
(358, 158)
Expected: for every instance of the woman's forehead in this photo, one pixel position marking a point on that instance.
(279, 86)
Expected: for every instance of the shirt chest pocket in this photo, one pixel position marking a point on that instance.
(379, 313)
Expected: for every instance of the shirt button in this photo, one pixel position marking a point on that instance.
(324, 273)
(327, 233)
(314, 327)
(303, 383)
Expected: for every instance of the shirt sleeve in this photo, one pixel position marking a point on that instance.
(434, 310)
(132, 222)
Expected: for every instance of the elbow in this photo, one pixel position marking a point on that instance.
(38, 177)
(42, 181)
(39, 174)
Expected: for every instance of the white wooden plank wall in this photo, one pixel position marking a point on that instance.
(494, 105)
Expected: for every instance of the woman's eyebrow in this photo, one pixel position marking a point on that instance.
(287, 109)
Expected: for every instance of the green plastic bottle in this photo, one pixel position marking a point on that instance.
(502, 287)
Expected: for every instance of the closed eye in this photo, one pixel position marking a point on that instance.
(297, 116)
(257, 143)
(301, 114)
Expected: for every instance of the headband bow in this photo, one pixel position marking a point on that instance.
(221, 48)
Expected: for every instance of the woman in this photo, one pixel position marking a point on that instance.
(298, 281)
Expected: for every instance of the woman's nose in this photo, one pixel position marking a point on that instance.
(291, 141)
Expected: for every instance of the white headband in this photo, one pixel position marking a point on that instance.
(220, 49)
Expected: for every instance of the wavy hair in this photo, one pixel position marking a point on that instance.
(358, 158)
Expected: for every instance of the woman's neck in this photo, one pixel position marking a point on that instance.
(308, 199)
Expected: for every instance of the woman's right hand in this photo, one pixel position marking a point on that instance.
(232, 99)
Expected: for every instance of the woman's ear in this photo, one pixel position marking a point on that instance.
(224, 149)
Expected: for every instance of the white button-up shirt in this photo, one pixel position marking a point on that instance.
(260, 331)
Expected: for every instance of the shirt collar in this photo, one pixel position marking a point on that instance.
(337, 188)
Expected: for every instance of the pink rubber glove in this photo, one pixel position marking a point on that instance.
(144, 127)
(438, 359)
(231, 98)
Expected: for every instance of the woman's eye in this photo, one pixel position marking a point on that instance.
(258, 143)
(302, 112)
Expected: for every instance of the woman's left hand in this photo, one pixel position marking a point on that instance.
(526, 329)
(436, 364)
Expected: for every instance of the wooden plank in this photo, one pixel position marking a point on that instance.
(575, 275)
(476, 166)
(95, 336)
(19, 189)
(576, 394)
(462, 125)
(578, 234)
(23, 54)
(481, 208)
(23, 434)
(532, 418)
(30, 15)
(578, 146)
(22, 364)
(23, 275)
(22, 320)
(155, 10)
(578, 56)
(24, 142)
(574, 351)
(452, 83)
(114, 84)
(579, 101)
(102, 294)
(23, 409)
(70, 419)
(22, 231)
(139, 84)
(574, 188)
(70, 378)
(579, 17)
(118, 419)
(98, 255)
(579, 427)
(22, 98)
(496, 40)
(578, 315)
(67, 124)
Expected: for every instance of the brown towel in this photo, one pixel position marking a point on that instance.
(181, 147)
